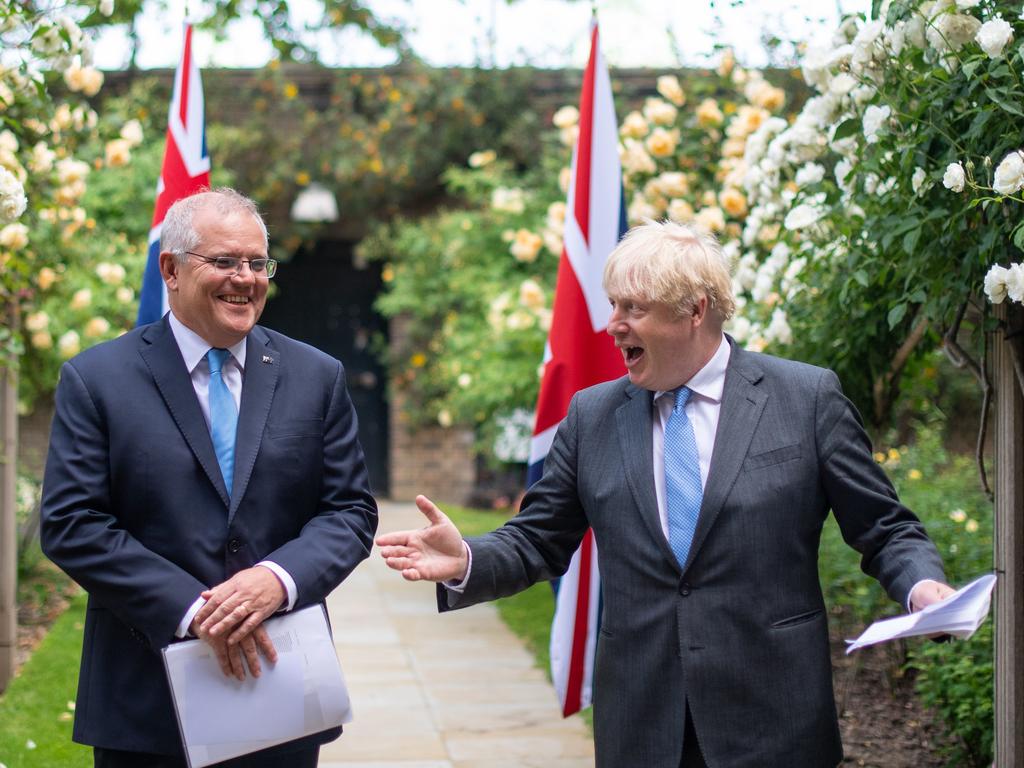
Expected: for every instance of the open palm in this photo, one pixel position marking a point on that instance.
(433, 553)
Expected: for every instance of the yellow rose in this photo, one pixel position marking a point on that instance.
(634, 126)
(680, 211)
(42, 340)
(914, 474)
(566, 117)
(480, 159)
(710, 219)
(46, 278)
(14, 237)
(727, 62)
(125, 294)
(971, 526)
(733, 202)
(81, 299)
(708, 114)
(526, 245)
(669, 87)
(69, 345)
(673, 183)
(96, 327)
(531, 295)
(659, 112)
(661, 143)
(418, 360)
(37, 321)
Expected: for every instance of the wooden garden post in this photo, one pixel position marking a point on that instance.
(8, 519)
(1009, 541)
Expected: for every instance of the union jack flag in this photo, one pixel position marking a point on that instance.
(186, 170)
(579, 354)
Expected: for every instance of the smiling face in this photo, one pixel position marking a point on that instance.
(661, 348)
(221, 308)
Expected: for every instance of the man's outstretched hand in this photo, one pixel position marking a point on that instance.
(434, 553)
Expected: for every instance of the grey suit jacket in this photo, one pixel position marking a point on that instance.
(740, 633)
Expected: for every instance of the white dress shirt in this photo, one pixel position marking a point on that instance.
(193, 352)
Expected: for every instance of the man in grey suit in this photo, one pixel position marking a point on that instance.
(706, 474)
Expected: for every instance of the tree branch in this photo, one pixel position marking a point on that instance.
(986, 404)
(957, 355)
(886, 385)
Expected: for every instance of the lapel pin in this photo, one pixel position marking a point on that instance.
(268, 359)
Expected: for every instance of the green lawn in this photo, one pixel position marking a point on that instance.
(34, 709)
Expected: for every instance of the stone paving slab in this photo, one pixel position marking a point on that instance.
(430, 691)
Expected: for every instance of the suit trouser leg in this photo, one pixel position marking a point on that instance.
(692, 756)
(116, 758)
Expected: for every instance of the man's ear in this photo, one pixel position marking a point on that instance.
(169, 266)
(700, 311)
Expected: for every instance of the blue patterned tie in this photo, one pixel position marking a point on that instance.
(682, 478)
(223, 416)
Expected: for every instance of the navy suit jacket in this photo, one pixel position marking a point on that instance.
(135, 510)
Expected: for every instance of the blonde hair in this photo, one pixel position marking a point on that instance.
(672, 264)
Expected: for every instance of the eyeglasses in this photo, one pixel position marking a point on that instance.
(232, 265)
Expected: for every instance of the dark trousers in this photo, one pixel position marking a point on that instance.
(692, 756)
(115, 758)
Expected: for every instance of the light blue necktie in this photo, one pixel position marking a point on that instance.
(223, 416)
(682, 478)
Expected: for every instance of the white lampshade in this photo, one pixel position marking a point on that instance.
(315, 203)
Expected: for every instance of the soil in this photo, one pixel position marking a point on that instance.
(882, 724)
(43, 595)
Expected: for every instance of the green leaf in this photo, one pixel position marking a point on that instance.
(861, 277)
(910, 240)
(896, 314)
(847, 128)
(1018, 236)
(1007, 106)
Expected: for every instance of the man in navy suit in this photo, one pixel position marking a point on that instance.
(204, 473)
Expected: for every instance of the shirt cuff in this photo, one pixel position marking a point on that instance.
(286, 581)
(460, 586)
(182, 630)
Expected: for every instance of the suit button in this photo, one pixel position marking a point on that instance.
(234, 545)
(684, 590)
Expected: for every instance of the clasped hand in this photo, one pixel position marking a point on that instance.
(232, 619)
(433, 553)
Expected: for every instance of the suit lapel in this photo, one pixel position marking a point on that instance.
(262, 366)
(742, 405)
(633, 422)
(162, 356)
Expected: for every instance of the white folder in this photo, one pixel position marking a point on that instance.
(221, 717)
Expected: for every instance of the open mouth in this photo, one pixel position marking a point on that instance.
(235, 299)
(633, 354)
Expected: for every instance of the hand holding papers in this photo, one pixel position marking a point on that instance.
(959, 615)
(222, 717)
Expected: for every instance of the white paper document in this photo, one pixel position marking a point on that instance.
(303, 693)
(958, 615)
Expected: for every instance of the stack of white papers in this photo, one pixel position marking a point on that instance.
(959, 615)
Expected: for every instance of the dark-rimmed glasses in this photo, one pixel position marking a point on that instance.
(232, 265)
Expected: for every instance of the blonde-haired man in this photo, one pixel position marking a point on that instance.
(706, 473)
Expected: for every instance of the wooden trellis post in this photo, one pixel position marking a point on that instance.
(8, 519)
(1009, 543)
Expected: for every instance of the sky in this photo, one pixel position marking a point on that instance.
(547, 33)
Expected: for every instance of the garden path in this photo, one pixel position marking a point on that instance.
(429, 691)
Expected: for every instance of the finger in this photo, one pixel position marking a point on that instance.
(245, 629)
(235, 657)
(430, 510)
(400, 563)
(393, 539)
(221, 652)
(411, 574)
(238, 615)
(265, 644)
(251, 656)
(389, 552)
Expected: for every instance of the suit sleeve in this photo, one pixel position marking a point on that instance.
(339, 536)
(892, 541)
(81, 533)
(538, 543)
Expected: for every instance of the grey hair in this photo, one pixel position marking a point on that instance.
(177, 235)
(672, 264)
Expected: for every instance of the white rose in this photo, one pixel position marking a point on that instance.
(811, 173)
(954, 177)
(508, 200)
(37, 321)
(918, 179)
(952, 31)
(842, 84)
(12, 197)
(106, 7)
(69, 344)
(132, 132)
(778, 329)
(802, 216)
(995, 284)
(874, 119)
(14, 237)
(994, 36)
(1015, 283)
(964, 5)
(1009, 174)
